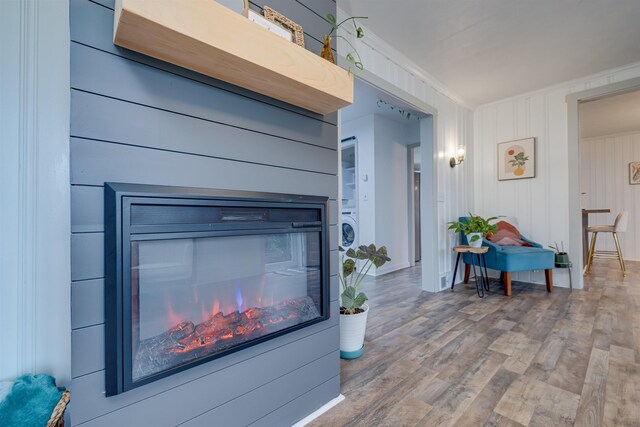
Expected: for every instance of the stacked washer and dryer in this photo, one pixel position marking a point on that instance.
(349, 194)
(349, 229)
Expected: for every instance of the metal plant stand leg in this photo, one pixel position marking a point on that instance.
(570, 281)
(483, 275)
(479, 285)
(568, 266)
(455, 270)
(484, 262)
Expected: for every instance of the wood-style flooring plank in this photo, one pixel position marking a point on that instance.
(591, 409)
(621, 406)
(448, 408)
(482, 406)
(533, 359)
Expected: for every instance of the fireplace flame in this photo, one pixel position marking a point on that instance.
(222, 330)
(239, 299)
(216, 307)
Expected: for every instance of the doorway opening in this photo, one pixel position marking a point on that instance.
(386, 199)
(609, 132)
(574, 101)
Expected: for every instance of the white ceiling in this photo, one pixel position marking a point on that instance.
(493, 49)
(611, 115)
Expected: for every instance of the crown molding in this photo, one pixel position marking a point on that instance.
(569, 85)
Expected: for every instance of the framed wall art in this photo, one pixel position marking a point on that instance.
(297, 35)
(634, 173)
(517, 159)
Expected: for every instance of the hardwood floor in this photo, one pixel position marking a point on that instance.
(537, 359)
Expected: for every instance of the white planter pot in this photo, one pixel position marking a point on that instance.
(352, 329)
(477, 243)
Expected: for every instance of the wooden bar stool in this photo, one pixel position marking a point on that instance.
(619, 226)
(482, 285)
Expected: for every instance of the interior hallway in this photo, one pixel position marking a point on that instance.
(534, 359)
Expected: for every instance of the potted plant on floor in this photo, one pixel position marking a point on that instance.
(475, 228)
(353, 309)
(562, 258)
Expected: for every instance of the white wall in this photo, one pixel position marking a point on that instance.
(382, 185)
(34, 192)
(391, 201)
(541, 203)
(605, 180)
(454, 126)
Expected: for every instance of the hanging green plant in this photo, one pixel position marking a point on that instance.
(404, 113)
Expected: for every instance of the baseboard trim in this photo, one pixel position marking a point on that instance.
(324, 408)
(386, 269)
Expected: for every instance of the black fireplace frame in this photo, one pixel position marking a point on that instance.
(118, 198)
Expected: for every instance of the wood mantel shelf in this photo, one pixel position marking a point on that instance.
(206, 37)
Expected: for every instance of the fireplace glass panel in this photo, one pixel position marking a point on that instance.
(194, 297)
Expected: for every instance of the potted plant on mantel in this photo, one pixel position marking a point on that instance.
(475, 228)
(353, 310)
(326, 53)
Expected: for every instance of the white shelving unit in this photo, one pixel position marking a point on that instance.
(349, 182)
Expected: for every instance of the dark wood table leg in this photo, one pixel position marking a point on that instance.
(507, 283)
(548, 278)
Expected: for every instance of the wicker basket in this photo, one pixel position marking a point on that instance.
(57, 417)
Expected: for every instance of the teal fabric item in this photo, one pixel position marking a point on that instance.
(30, 402)
(513, 258)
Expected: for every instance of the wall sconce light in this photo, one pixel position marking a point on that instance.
(454, 161)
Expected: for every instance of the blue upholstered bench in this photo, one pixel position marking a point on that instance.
(511, 259)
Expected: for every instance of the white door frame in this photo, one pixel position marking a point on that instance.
(575, 210)
(411, 205)
(429, 166)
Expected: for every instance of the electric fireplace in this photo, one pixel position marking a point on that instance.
(195, 274)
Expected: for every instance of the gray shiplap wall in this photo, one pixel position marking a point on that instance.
(140, 120)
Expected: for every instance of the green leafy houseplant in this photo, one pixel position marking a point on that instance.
(474, 224)
(352, 300)
(353, 56)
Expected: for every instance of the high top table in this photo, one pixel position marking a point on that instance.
(585, 235)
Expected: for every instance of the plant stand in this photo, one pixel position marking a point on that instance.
(483, 285)
(567, 265)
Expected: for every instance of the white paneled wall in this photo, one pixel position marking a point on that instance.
(454, 126)
(540, 203)
(35, 277)
(605, 180)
